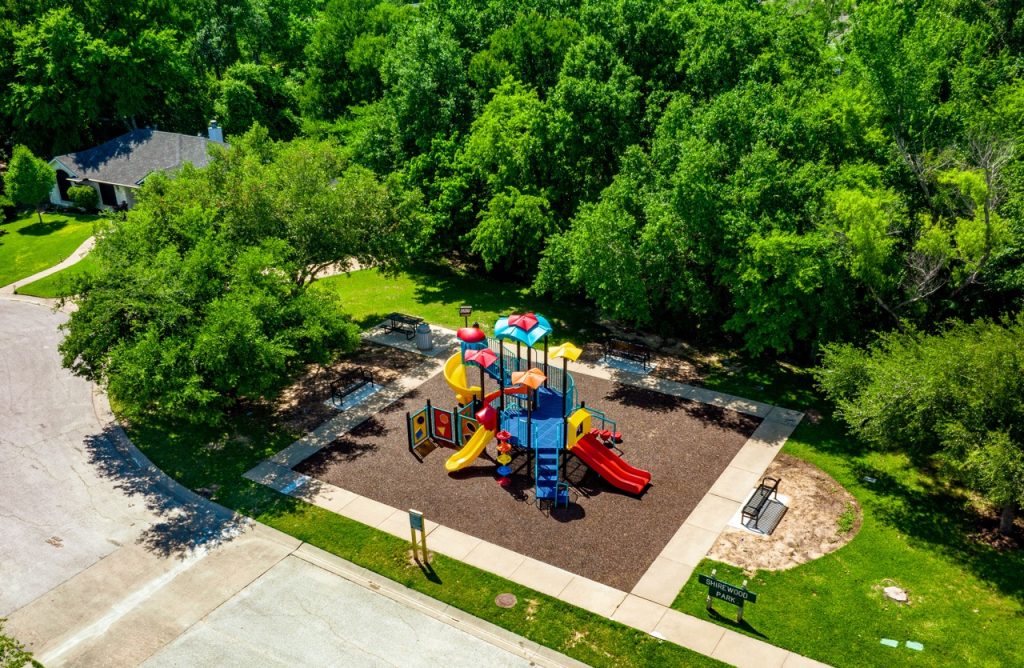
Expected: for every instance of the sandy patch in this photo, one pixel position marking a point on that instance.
(822, 517)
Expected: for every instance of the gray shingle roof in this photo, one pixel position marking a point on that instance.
(128, 159)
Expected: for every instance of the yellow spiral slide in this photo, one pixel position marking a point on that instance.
(455, 374)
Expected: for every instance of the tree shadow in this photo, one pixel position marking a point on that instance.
(346, 448)
(945, 519)
(730, 620)
(43, 229)
(645, 399)
(185, 522)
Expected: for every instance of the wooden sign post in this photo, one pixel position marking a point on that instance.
(465, 311)
(416, 524)
(727, 592)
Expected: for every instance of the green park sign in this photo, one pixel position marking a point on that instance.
(727, 592)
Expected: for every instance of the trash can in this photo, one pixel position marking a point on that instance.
(424, 337)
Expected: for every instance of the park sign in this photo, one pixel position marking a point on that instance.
(727, 592)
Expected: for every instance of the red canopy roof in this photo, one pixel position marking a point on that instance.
(471, 334)
(525, 322)
(484, 357)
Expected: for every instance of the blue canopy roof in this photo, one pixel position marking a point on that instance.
(528, 328)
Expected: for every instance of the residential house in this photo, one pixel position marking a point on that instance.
(117, 168)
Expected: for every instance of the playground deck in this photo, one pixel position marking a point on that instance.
(604, 535)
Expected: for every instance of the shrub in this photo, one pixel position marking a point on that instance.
(84, 197)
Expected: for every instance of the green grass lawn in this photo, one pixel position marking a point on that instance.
(183, 452)
(436, 296)
(28, 246)
(54, 285)
(965, 597)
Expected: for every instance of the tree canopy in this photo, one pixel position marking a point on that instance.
(957, 396)
(202, 299)
(782, 174)
(29, 179)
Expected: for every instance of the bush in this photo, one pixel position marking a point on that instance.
(84, 197)
(7, 209)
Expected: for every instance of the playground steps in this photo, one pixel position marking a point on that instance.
(546, 476)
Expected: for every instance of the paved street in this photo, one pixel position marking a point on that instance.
(59, 513)
(101, 566)
(343, 625)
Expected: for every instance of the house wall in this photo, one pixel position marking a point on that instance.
(125, 195)
(55, 197)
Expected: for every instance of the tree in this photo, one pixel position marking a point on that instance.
(596, 112)
(955, 395)
(251, 93)
(203, 294)
(349, 42)
(426, 85)
(29, 180)
(55, 96)
(511, 229)
(531, 50)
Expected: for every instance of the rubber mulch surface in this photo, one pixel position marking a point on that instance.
(605, 535)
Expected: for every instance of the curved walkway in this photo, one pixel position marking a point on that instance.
(74, 258)
(106, 561)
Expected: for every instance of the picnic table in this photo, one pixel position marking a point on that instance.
(400, 322)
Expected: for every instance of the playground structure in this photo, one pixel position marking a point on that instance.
(533, 410)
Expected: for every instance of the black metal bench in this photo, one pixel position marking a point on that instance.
(769, 486)
(342, 389)
(400, 322)
(633, 352)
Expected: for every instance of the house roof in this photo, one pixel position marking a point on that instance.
(130, 158)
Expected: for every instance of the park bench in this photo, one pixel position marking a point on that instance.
(400, 322)
(633, 352)
(769, 486)
(342, 389)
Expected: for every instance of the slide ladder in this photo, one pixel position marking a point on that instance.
(545, 468)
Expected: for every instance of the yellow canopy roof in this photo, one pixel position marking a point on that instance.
(566, 350)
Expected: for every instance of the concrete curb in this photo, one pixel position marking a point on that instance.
(495, 635)
(107, 421)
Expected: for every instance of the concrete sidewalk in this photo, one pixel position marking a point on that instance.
(647, 607)
(106, 561)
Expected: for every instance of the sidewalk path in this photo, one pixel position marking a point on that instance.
(74, 258)
(106, 561)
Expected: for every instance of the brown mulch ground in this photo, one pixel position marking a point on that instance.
(302, 406)
(605, 535)
(809, 529)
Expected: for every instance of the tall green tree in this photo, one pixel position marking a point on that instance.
(56, 94)
(425, 76)
(596, 112)
(203, 295)
(251, 93)
(29, 180)
(955, 396)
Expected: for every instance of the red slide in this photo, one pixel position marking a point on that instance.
(610, 466)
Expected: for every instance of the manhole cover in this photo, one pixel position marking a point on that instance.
(505, 600)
